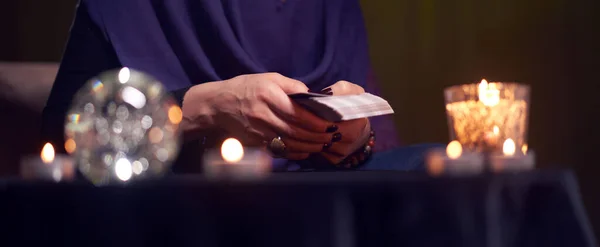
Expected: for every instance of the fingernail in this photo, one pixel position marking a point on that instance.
(331, 129)
(326, 146)
(336, 137)
(327, 91)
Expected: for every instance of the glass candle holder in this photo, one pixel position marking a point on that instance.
(485, 117)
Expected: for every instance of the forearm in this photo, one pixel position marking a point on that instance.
(197, 125)
(198, 112)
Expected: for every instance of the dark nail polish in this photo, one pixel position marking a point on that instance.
(326, 146)
(336, 137)
(327, 91)
(331, 129)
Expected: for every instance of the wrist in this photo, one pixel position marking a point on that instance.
(362, 155)
(199, 112)
(367, 133)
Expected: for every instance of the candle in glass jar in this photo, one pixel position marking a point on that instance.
(481, 116)
(48, 166)
(234, 161)
(454, 161)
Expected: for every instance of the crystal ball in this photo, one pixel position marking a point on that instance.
(123, 126)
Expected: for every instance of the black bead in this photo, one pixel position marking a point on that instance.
(336, 137)
(331, 129)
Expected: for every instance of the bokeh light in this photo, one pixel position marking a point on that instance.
(70, 145)
(123, 125)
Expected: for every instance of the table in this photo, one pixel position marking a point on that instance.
(540, 208)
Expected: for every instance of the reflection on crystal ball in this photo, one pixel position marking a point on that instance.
(124, 125)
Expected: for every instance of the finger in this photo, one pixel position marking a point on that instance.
(300, 146)
(346, 88)
(339, 149)
(297, 156)
(291, 112)
(285, 129)
(353, 130)
(332, 158)
(307, 120)
(288, 85)
(255, 134)
(299, 134)
(278, 100)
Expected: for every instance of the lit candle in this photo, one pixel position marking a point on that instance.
(511, 159)
(48, 166)
(236, 162)
(481, 116)
(454, 161)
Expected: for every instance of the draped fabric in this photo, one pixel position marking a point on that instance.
(188, 42)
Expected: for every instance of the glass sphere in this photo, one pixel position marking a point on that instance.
(123, 125)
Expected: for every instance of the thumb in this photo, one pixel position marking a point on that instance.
(289, 85)
(345, 88)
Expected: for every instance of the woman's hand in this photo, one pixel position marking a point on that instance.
(354, 133)
(255, 109)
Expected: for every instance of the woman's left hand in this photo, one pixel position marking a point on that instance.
(353, 133)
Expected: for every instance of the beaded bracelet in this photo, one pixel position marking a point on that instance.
(360, 156)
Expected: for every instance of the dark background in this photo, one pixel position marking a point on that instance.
(418, 47)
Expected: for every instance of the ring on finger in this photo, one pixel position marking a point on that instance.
(277, 147)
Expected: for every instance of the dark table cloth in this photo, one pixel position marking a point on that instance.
(540, 208)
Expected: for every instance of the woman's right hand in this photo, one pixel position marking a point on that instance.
(255, 109)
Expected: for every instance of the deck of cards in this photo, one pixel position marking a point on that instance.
(343, 107)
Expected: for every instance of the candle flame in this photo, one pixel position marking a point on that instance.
(524, 148)
(509, 148)
(454, 150)
(47, 154)
(496, 130)
(489, 95)
(232, 150)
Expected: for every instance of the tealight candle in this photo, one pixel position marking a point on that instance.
(48, 166)
(454, 161)
(511, 159)
(481, 116)
(236, 162)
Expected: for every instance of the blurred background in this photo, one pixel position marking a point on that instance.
(418, 47)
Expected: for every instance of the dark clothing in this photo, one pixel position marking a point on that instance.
(188, 42)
